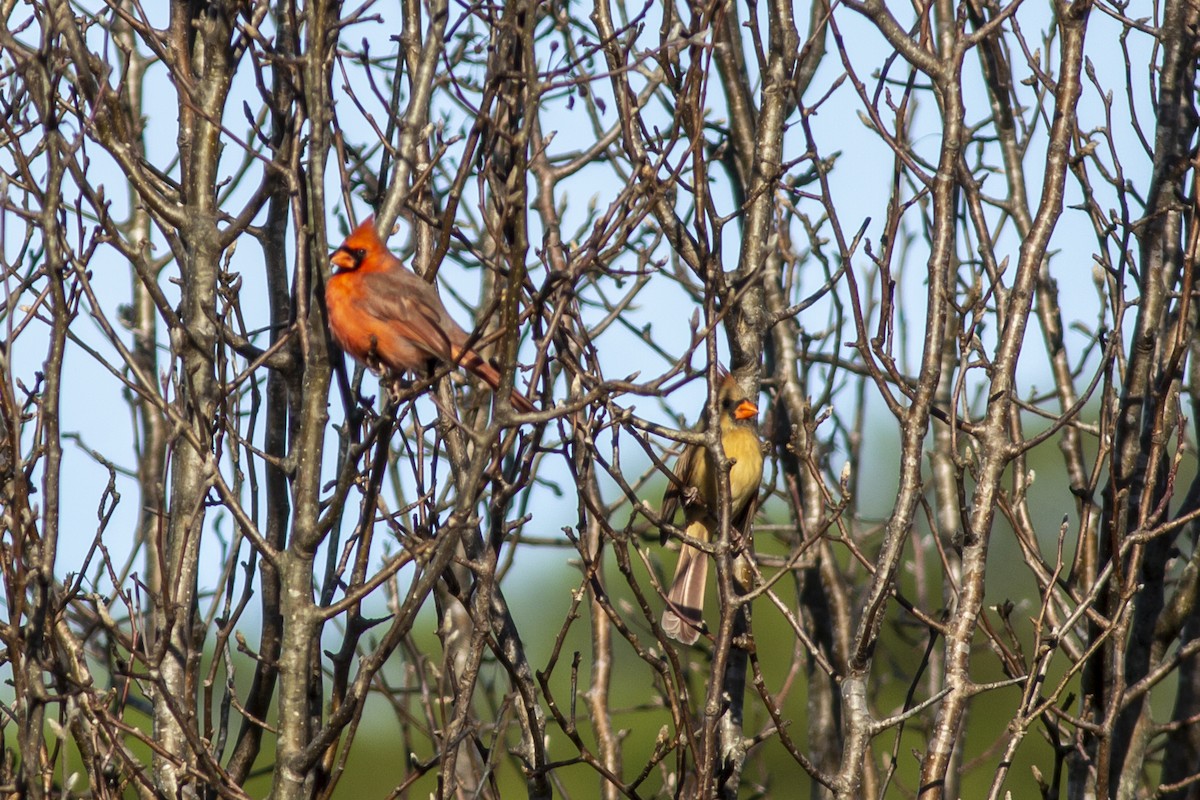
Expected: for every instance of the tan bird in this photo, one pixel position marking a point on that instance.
(696, 470)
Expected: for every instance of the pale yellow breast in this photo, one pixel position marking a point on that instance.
(742, 446)
(746, 475)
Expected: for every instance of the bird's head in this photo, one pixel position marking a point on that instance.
(360, 247)
(735, 407)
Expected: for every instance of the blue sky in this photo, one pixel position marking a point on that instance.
(94, 406)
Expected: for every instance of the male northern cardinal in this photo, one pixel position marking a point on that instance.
(381, 313)
(696, 470)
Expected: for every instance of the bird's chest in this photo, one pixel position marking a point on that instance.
(746, 474)
(378, 343)
(347, 321)
(741, 447)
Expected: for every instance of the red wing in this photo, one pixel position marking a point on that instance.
(410, 306)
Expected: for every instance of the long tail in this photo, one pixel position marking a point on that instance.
(488, 374)
(683, 618)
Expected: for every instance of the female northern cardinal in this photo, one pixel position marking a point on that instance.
(695, 469)
(381, 313)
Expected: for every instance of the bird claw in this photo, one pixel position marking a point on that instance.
(741, 542)
(394, 390)
(397, 386)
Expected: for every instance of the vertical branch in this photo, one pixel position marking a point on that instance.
(513, 71)
(40, 598)
(29, 560)
(205, 66)
(299, 667)
(915, 421)
(995, 432)
(758, 147)
(151, 456)
(1140, 482)
(284, 389)
(598, 696)
(422, 53)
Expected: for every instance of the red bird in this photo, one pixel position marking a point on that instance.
(384, 315)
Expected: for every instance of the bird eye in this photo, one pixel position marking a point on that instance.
(726, 404)
(359, 254)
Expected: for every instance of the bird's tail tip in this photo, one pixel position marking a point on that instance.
(683, 624)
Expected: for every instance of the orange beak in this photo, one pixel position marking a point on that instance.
(746, 410)
(342, 259)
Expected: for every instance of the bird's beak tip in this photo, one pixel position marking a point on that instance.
(745, 410)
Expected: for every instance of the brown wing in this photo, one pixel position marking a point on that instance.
(685, 470)
(407, 307)
(401, 299)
